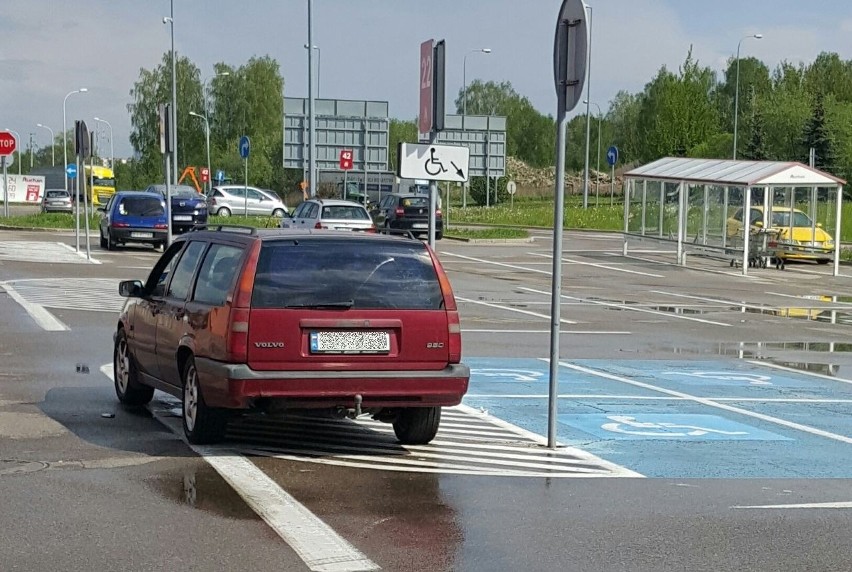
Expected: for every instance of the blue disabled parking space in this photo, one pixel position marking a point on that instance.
(680, 419)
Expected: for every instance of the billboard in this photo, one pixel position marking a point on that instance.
(24, 189)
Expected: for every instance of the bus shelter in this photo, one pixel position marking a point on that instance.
(701, 205)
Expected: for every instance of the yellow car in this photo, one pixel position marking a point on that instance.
(808, 242)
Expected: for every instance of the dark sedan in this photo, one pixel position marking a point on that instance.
(189, 207)
(407, 212)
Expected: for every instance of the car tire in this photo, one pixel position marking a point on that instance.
(201, 424)
(103, 241)
(278, 213)
(417, 425)
(110, 243)
(823, 261)
(126, 378)
(439, 235)
(224, 212)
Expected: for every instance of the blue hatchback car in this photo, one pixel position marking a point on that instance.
(133, 217)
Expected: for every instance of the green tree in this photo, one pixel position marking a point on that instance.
(786, 112)
(399, 131)
(623, 119)
(829, 75)
(754, 78)
(151, 89)
(530, 136)
(817, 136)
(755, 148)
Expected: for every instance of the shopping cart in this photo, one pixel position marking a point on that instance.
(761, 247)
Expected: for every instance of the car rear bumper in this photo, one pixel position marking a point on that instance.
(416, 225)
(237, 386)
(126, 235)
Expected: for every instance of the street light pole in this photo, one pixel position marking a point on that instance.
(319, 67)
(312, 161)
(588, 123)
(598, 167)
(111, 147)
(207, 137)
(64, 132)
(737, 89)
(464, 76)
(17, 145)
(170, 19)
(52, 144)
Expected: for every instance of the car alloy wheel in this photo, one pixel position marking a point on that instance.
(190, 399)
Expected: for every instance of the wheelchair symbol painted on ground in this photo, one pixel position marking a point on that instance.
(750, 378)
(502, 374)
(629, 425)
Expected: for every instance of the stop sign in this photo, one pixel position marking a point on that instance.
(7, 143)
(205, 174)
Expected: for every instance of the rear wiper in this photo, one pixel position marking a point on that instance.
(323, 305)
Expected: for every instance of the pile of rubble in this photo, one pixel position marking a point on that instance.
(544, 178)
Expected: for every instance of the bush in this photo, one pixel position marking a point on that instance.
(478, 188)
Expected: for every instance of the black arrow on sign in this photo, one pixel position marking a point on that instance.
(459, 172)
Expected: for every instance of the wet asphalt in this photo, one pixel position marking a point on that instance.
(89, 485)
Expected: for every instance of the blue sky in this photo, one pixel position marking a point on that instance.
(369, 48)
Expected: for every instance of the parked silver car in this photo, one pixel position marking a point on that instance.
(57, 201)
(332, 214)
(227, 200)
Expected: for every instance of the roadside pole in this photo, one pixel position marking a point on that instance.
(5, 188)
(91, 190)
(569, 70)
(244, 149)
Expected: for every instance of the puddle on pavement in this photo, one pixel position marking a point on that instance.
(816, 358)
(204, 490)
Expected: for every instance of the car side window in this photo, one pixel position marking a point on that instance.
(738, 215)
(185, 270)
(159, 277)
(253, 195)
(238, 192)
(217, 274)
(312, 211)
(298, 212)
(755, 216)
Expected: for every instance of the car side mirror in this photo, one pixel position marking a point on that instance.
(130, 288)
(101, 209)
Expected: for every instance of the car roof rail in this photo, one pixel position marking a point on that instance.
(397, 232)
(226, 228)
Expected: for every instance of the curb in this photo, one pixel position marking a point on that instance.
(527, 240)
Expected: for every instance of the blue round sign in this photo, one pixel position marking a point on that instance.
(245, 146)
(71, 170)
(220, 176)
(612, 156)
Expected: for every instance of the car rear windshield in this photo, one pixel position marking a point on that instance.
(415, 202)
(346, 273)
(344, 212)
(141, 206)
(57, 194)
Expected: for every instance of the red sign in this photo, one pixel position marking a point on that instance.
(205, 175)
(32, 193)
(425, 76)
(346, 159)
(7, 143)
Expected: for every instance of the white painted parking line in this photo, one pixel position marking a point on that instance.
(41, 252)
(83, 294)
(601, 266)
(800, 372)
(316, 543)
(757, 279)
(495, 263)
(82, 253)
(44, 319)
(510, 309)
(587, 396)
(812, 505)
(710, 403)
(563, 332)
(630, 307)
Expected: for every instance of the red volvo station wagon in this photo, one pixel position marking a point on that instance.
(235, 319)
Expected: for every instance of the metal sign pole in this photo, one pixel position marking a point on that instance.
(76, 181)
(86, 201)
(168, 201)
(569, 71)
(245, 188)
(433, 198)
(5, 188)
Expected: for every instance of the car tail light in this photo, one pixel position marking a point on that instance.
(213, 201)
(454, 344)
(121, 224)
(372, 229)
(318, 225)
(399, 211)
(160, 225)
(437, 212)
(237, 348)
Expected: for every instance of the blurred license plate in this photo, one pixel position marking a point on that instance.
(142, 235)
(349, 342)
(420, 225)
(182, 217)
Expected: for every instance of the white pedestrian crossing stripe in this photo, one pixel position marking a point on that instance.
(86, 294)
(467, 443)
(40, 251)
